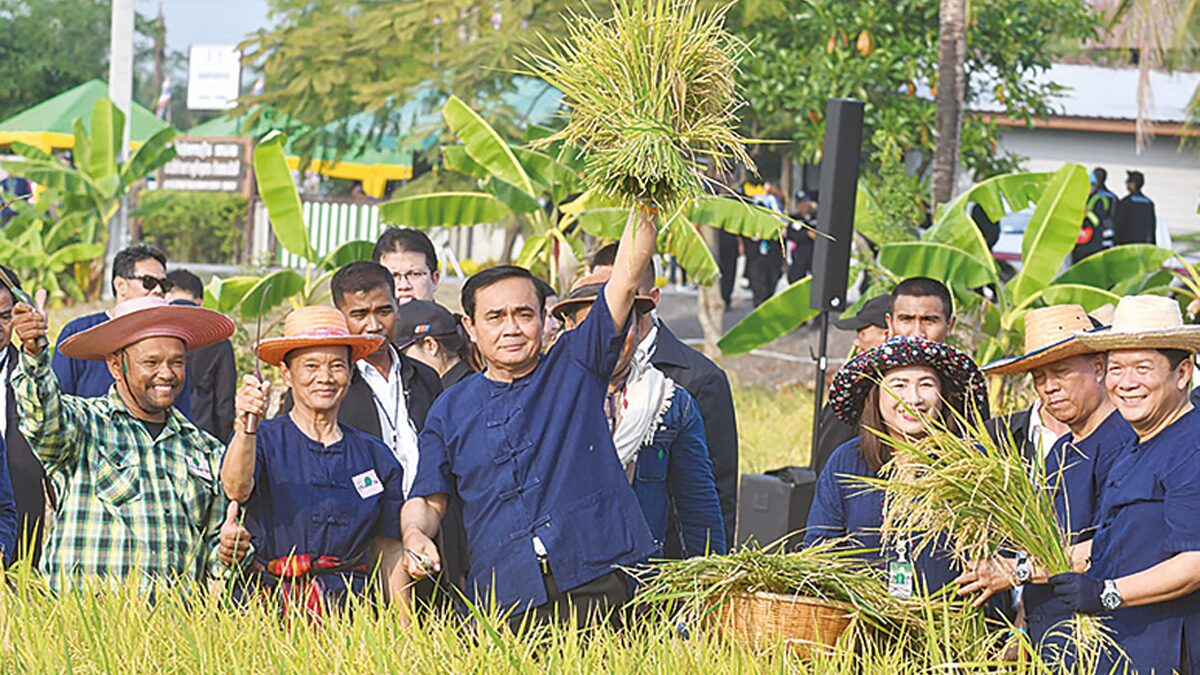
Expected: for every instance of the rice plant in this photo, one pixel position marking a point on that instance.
(652, 92)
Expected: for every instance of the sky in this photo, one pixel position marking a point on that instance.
(192, 22)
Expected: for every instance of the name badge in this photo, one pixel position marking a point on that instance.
(900, 579)
(199, 467)
(368, 484)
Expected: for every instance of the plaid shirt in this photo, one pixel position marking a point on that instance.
(128, 504)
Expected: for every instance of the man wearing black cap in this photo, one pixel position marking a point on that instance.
(871, 330)
(1135, 221)
(801, 236)
(429, 333)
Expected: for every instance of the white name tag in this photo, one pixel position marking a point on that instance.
(368, 484)
(199, 467)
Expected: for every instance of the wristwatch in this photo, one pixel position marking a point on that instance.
(1023, 572)
(1110, 597)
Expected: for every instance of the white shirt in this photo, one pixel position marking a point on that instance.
(390, 403)
(1042, 438)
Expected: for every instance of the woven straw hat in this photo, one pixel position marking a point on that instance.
(1145, 322)
(148, 317)
(1049, 337)
(585, 290)
(316, 327)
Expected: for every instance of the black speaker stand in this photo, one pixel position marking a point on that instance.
(819, 389)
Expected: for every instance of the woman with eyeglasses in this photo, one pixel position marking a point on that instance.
(138, 271)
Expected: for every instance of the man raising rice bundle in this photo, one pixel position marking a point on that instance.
(549, 511)
(136, 480)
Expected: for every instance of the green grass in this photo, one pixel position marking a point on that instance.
(774, 427)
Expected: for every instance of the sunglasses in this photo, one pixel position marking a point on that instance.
(149, 282)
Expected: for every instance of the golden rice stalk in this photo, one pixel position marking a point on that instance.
(652, 91)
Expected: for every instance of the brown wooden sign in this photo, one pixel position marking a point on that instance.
(209, 165)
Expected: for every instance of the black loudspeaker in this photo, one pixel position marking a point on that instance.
(835, 218)
(775, 504)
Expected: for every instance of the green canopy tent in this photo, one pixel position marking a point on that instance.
(49, 124)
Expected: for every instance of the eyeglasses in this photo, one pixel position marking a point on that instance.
(149, 282)
(411, 277)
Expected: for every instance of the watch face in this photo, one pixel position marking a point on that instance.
(1110, 599)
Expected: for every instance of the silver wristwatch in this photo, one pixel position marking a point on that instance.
(1023, 572)
(1110, 597)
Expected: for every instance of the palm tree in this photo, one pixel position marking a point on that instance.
(952, 47)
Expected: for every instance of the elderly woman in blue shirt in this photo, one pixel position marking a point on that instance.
(657, 431)
(322, 499)
(891, 389)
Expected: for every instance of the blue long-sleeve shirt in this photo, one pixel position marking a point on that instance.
(8, 509)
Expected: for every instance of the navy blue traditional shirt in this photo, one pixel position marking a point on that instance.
(321, 500)
(535, 458)
(1076, 472)
(8, 510)
(1149, 512)
(91, 379)
(844, 507)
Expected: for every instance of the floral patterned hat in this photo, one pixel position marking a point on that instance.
(855, 379)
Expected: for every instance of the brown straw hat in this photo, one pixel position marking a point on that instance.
(1049, 337)
(316, 327)
(1145, 322)
(584, 292)
(148, 317)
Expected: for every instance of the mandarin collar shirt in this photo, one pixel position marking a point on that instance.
(534, 460)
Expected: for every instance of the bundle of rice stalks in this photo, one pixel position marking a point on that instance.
(652, 90)
(982, 495)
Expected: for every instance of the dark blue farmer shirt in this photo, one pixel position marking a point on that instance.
(1149, 512)
(844, 507)
(674, 472)
(322, 500)
(535, 457)
(8, 510)
(1075, 473)
(91, 379)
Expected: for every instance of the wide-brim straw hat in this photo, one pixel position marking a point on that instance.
(1049, 337)
(967, 388)
(316, 327)
(1145, 322)
(148, 317)
(585, 290)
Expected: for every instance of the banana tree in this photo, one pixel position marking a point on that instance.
(57, 240)
(543, 192)
(252, 294)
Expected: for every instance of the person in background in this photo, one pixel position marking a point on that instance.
(553, 326)
(137, 480)
(550, 516)
(707, 383)
(1134, 221)
(211, 371)
(1096, 233)
(890, 389)
(870, 330)
(1141, 569)
(138, 271)
(322, 499)
(25, 471)
(429, 333)
(411, 259)
(766, 267)
(802, 236)
(921, 307)
(657, 430)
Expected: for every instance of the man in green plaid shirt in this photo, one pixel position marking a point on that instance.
(137, 482)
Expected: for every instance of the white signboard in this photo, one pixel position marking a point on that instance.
(214, 77)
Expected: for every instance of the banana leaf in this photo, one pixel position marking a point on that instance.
(736, 217)
(938, 261)
(108, 133)
(1051, 232)
(278, 193)
(556, 178)
(604, 223)
(517, 200)
(223, 295)
(1090, 297)
(998, 196)
(284, 285)
(445, 209)
(153, 154)
(485, 146)
(1114, 265)
(456, 159)
(778, 316)
(351, 251)
(681, 239)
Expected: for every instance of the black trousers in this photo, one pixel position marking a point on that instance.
(727, 257)
(596, 601)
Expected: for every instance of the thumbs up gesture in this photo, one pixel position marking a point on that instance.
(29, 323)
(235, 539)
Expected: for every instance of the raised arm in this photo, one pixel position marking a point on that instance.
(237, 471)
(633, 254)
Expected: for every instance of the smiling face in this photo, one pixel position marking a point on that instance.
(907, 394)
(507, 325)
(151, 372)
(318, 377)
(128, 289)
(1145, 388)
(1071, 389)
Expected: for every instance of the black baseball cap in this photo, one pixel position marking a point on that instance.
(872, 313)
(421, 319)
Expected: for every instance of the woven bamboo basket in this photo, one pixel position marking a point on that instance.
(806, 624)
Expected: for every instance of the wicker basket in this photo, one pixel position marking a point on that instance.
(806, 624)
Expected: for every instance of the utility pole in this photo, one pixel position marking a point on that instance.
(120, 90)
